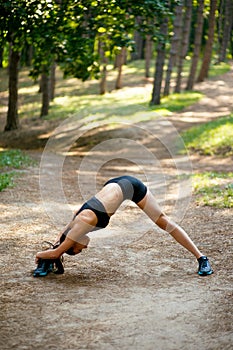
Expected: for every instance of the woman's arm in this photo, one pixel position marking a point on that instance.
(81, 225)
(57, 252)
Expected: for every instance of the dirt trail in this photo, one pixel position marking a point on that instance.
(134, 287)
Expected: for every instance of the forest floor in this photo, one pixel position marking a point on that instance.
(134, 287)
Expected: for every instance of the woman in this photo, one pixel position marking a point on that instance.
(95, 214)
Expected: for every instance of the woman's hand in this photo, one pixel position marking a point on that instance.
(46, 254)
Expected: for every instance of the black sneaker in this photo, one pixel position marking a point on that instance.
(43, 268)
(59, 268)
(204, 266)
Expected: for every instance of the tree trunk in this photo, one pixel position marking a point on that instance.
(177, 28)
(209, 44)
(29, 56)
(160, 60)
(227, 28)
(219, 24)
(231, 43)
(103, 80)
(45, 86)
(104, 61)
(1, 56)
(121, 60)
(52, 81)
(184, 44)
(139, 43)
(12, 114)
(148, 55)
(197, 45)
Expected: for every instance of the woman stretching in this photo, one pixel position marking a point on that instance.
(95, 214)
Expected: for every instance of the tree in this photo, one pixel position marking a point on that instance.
(138, 53)
(12, 113)
(175, 41)
(160, 60)
(46, 36)
(121, 60)
(197, 45)
(52, 80)
(184, 43)
(209, 44)
(227, 29)
(148, 54)
(12, 15)
(21, 24)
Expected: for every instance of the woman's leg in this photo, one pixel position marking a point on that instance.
(149, 205)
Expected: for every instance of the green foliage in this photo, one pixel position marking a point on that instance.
(17, 20)
(213, 138)
(14, 159)
(214, 189)
(11, 159)
(6, 180)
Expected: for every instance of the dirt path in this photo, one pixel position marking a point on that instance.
(134, 287)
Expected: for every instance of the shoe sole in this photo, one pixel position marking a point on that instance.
(205, 273)
(40, 274)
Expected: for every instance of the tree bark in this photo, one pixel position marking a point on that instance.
(197, 45)
(12, 114)
(219, 24)
(139, 43)
(104, 72)
(29, 56)
(184, 44)
(121, 60)
(148, 55)
(45, 86)
(52, 81)
(227, 28)
(160, 60)
(1, 56)
(231, 43)
(209, 44)
(177, 29)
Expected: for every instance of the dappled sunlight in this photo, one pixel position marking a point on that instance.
(30, 109)
(211, 138)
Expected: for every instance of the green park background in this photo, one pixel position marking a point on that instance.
(59, 58)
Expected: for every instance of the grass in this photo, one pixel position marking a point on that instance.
(219, 69)
(177, 102)
(214, 189)
(9, 161)
(212, 138)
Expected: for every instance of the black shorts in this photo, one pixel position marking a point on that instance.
(97, 207)
(131, 187)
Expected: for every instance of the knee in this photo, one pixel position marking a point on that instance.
(162, 221)
(165, 223)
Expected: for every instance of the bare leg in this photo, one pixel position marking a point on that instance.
(149, 205)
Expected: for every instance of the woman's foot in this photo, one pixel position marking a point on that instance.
(204, 268)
